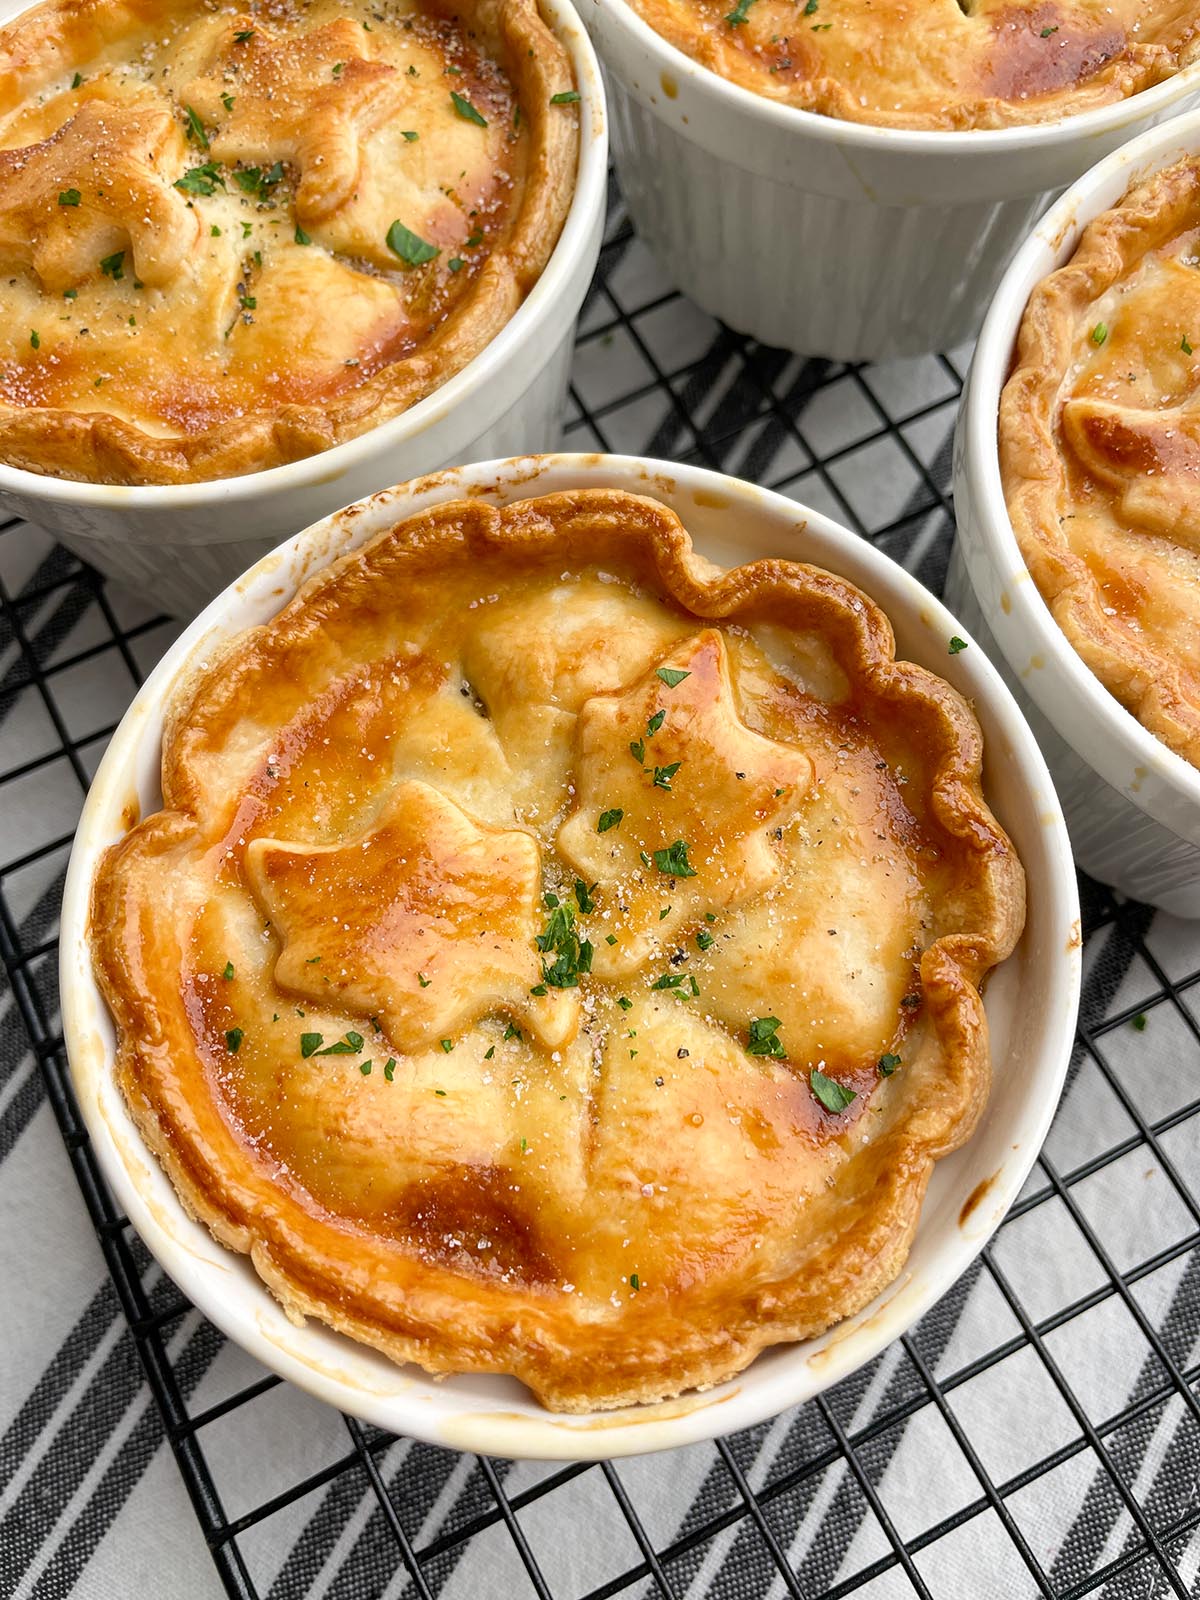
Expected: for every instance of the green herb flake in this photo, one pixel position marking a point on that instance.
(228, 973)
(447, 1045)
(663, 775)
(705, 940)
(524, 1146)
(664, 913)
(244, 37)
(568, 97)
(69, 197)
(456, 263)
(810, 8)
(740, 12)
(635, 1283)
(310, 1043)
(35, 339)
(887, 1065)
(338, 68)
(246, 230)
(957, 645)
(583, 896)
(560, 937)
(539, 989)
(70, 294)
(466, 110)
(113, 266)
(441, 1093)
(300, 236)
(1046, 32)
(195, 128)
(348, 1045)
(764, 1038)
(1100, 333)
(668, 980)
(233, 1040)
(625, 1003)
(655, 723)
(489, 1052)
(258, 181)
(77, 80)
(833, 1095)
(609, 819)
(1185, 346)
(411, 136)
(637, 749)
(1138, 1023)
(389, 1069)
(227, 101)
(411, 249)
(512, 1032)
(214, 232)
(673, 860)
(365, 1068)
(610, 938)
(671, 676)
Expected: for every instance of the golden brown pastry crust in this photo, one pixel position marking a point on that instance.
(639, 1209)
(1099, 455)
(159, 334)
(945, 64)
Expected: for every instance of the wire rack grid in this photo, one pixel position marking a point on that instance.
(1071, 1479)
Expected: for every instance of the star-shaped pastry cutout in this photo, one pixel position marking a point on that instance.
(309, 99)
(427, 921)
(1153, 457)
(675, 802)
(98, 186)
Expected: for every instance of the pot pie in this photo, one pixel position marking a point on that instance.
(950, 64)
(1100, 451)
(234, 235)
(573, 959)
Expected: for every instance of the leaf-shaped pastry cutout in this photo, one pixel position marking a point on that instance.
(1153, 457)
(309, 99)
(427, 921)
(697, 793)
(115, 160)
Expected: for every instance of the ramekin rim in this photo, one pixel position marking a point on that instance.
(591, 180)
(746, 1399)
(991, 360)
(913, 141)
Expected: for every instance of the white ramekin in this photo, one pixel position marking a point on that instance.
(827, 237)
(177, 545)
(1132, 805)
(1031, 1000)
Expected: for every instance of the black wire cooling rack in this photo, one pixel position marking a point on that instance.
(906, 1475)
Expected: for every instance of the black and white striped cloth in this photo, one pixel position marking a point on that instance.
(1038, 1433)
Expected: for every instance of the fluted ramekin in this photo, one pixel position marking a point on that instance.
(828, 237)
(1131, 804)
(179, 544)
(1030, 999)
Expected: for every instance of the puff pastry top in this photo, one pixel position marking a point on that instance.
(233, 235)
(1100, 451)
(573, 952)
(935, 63)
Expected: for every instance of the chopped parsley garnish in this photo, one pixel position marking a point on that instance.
(609, 819)
(671, 676)
(669, 980)
(710, 916)
(635, 1283)
(764, 1038)
(233, 1040)
(69, 197)
(705, 939)
(1100, 333)
(466, 110)
(112, 266)
(568, 97)
(512, 1032)
(447, 1045)
(572, 955)
(739, 13)
(1185, 346)
(258, 181)
(1138, 1023)
(338, 68)
(625, 1004)
(77, 80)
(538, 989)
(423, 980)
(228, 973)
(349, 1045)
(583, 896)
(664, 913)
(957, 644)
(214, 232)
(655, 723)
(244, 36)
(833, 1095)
(663, 775)
(195, 128)
(637, 749)
(888, 1065)
(411, 249)
(246, 230)
(70, 294)
(524, 1146)
(489, 1052)
(300, 236)
(35, 339)
(227, 101)
(455, 263)
(810, 8)
(365, 1068)
(673, 860)
(1046, 32)
(440, 1092)
(310, 1043)
(610, 938)
(389, 1070)
(410, 135)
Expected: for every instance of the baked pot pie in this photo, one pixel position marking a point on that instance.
(953, 64)
(1100, 451)
(557, 955)
(232, 236)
